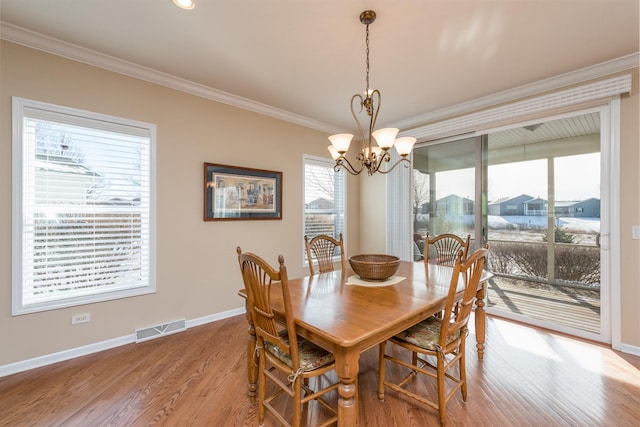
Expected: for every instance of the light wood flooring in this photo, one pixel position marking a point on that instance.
(529, 377)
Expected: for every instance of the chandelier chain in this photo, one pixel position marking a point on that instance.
(367, 68)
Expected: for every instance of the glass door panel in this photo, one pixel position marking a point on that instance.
(543, 191)
(444, 190)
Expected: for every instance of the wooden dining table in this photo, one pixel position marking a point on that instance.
(348, 319)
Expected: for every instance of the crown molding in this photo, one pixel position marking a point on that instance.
(602, 69)
(74, 52)
(34, 40)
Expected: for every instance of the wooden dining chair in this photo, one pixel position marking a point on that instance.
(322, 248)
(440, 338)
(284, 358)
(446, 247)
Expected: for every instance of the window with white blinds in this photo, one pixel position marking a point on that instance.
(83, 207)
(324, 199)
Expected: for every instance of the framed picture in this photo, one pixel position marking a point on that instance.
(235, 193)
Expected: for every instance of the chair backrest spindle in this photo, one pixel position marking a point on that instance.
(322, 248)
(446, 248)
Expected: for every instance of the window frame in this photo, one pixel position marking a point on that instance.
(20, 110)
(308, 159)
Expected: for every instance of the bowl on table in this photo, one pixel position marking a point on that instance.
(374, 267)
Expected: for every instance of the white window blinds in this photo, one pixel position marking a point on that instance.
(324, 198)
(83, 202)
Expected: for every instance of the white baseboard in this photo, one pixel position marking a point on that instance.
(213, 317)
(48, 359)
(630, 349)
(37, 362)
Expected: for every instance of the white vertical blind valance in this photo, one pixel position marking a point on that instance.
(518, 111)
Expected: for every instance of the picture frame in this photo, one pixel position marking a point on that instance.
(238, 193)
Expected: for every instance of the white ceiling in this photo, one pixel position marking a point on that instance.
(308, 57)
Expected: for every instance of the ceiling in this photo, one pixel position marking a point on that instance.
(307, 58)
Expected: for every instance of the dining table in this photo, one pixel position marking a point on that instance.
(346, 315)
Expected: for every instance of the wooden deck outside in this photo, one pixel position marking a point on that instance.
(568, 306)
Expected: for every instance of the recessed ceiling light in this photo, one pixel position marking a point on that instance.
(185, 4)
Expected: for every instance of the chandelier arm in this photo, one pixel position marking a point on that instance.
(383, 157)
(355, 116)
(375, 109)
(404, 159)
(345, 164)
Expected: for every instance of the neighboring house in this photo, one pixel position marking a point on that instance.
(589, 208)
(62, 175)
(509, 205)
(536, 206)
(454, 205)
(320, 204)
(524, 205)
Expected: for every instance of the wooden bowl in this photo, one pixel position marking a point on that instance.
(374, 267)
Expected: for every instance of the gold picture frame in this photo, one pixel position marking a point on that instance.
(237, 193)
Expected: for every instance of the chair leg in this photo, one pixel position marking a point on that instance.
(262, 379)
(381, 350)
(442, 403)
(297, 406)
(463, 369)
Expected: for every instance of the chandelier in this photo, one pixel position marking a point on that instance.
(370, 157)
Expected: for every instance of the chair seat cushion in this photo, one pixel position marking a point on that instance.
(425, 334)
(311, 356)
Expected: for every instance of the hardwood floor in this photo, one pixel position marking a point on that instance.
(529, 377)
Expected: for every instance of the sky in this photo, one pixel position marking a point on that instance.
(576, 177)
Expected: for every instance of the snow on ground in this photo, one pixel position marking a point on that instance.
(521, 223)
(577, 224)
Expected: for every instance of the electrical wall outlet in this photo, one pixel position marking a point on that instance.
(635, 232)
(80, 318)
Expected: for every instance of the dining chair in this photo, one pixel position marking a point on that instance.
(440, 338)
(322, 248)
(284, 358)
(446, 247)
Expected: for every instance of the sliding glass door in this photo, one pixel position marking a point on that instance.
(532, 192)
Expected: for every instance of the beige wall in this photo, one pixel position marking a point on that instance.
(197, 273)
(373, 218)
(630, 214)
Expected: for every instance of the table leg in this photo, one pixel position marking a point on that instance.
(481, 319)
(252, 357)
(347, 362)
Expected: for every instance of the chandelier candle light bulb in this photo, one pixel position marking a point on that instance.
(370, 157)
